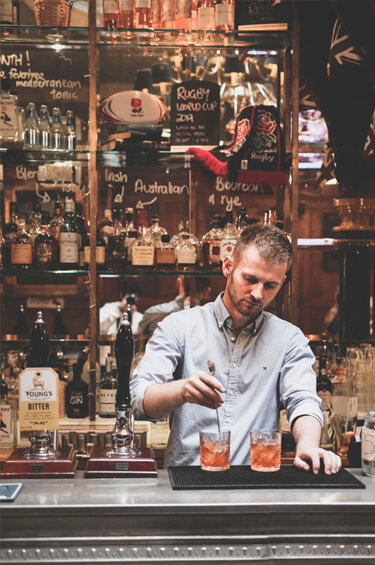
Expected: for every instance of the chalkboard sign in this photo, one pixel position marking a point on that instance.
(195, 113)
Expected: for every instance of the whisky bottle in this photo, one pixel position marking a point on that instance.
(224, 15)
(21, 251)
(10, 231)
(106, 226)
(165, 254)
(46, 249)
(9, 114)
(155, 231)
(206, 14)
(126, 14)
(116, 260)
(56, 222)
(31, 137)
(108, 389)
(100, 250)
(77, 399)
(80, 223)
(143, 249)
(130, 234)
(186, 254)
(124, 352)
(168, 14)
(110, 14)
(6, 12)
(230, 236)
(155, 17)
(211, 245)
(142, 14)
(69, 239)
(58, 326)
(21, 327)
(36, 223)
(38, 355)
(183, 14)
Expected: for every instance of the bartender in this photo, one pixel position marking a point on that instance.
(261, 361)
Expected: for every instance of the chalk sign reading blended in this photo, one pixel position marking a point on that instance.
(195, 113)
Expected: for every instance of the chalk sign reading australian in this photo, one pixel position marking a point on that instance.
(195, 112)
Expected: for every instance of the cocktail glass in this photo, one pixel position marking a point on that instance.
(215, 451)
(265, 450)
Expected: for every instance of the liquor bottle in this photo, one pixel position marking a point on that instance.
(155, 14)
(36, 222)
(116, 259)
(100, 250)
(211, 245)
(130, 234)
(21, 251)
(56, 222)
(31, 137)
(7, 418)
(168, 14)
(56, 131)
(241, 221)
(46, 249)
(165, 254)
(230, 236)
(183, 14)
(77, 395)
(80, 223)
(155, 231)
(58, 326)
(126, 14)
(44, 128)
(186, 254)
(108, 389)
(143, 249)
(6, 12)
(183, 227)
(124, 353)
(9, 118)
(142, 14)
(206, 14)
(110, 13)
(10, 231)
(324, 385)
(194, 15)
(69, 239)
(38, 355)
(224, 15)
(69, 132)
(106, 226)
(2, 245)
(21, 328)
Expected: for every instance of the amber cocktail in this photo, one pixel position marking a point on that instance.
(215, 451)
(265, 450)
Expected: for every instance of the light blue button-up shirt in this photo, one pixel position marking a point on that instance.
(269, 362)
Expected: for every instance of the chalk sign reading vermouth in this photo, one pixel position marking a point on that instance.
(195, 113)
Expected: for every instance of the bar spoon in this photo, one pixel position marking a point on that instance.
(211, 368)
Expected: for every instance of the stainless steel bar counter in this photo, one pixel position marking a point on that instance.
(143, 521)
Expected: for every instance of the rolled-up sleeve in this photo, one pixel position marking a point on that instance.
(163, 354)
(298, 380)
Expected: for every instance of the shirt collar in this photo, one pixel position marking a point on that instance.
(223, 317)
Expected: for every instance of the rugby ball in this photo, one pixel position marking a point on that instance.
(133, 107)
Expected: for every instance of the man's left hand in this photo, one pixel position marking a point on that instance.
(310, 457)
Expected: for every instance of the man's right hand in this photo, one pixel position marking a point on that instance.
(200, 387)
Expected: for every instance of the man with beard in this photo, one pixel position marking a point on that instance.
(261, 361)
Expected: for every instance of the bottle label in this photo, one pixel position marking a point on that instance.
(368, 444)
(69, 247)
(107, 401)
(165, 256)
(155, 12)
(21, 254)
(227, 246)
(99, 255)
(8, 118)
(6, 11)
(43, 253)
(143, 255)
(183, 8)
(55, 231)
(5, 417)
(186, 256)
(224, 14)
(146, 4)
(110, 6)
(214, 252)
(126, 5)
(206, 18)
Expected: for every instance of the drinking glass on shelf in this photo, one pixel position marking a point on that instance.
(265, 450)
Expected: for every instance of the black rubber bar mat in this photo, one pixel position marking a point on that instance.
(242, 477)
